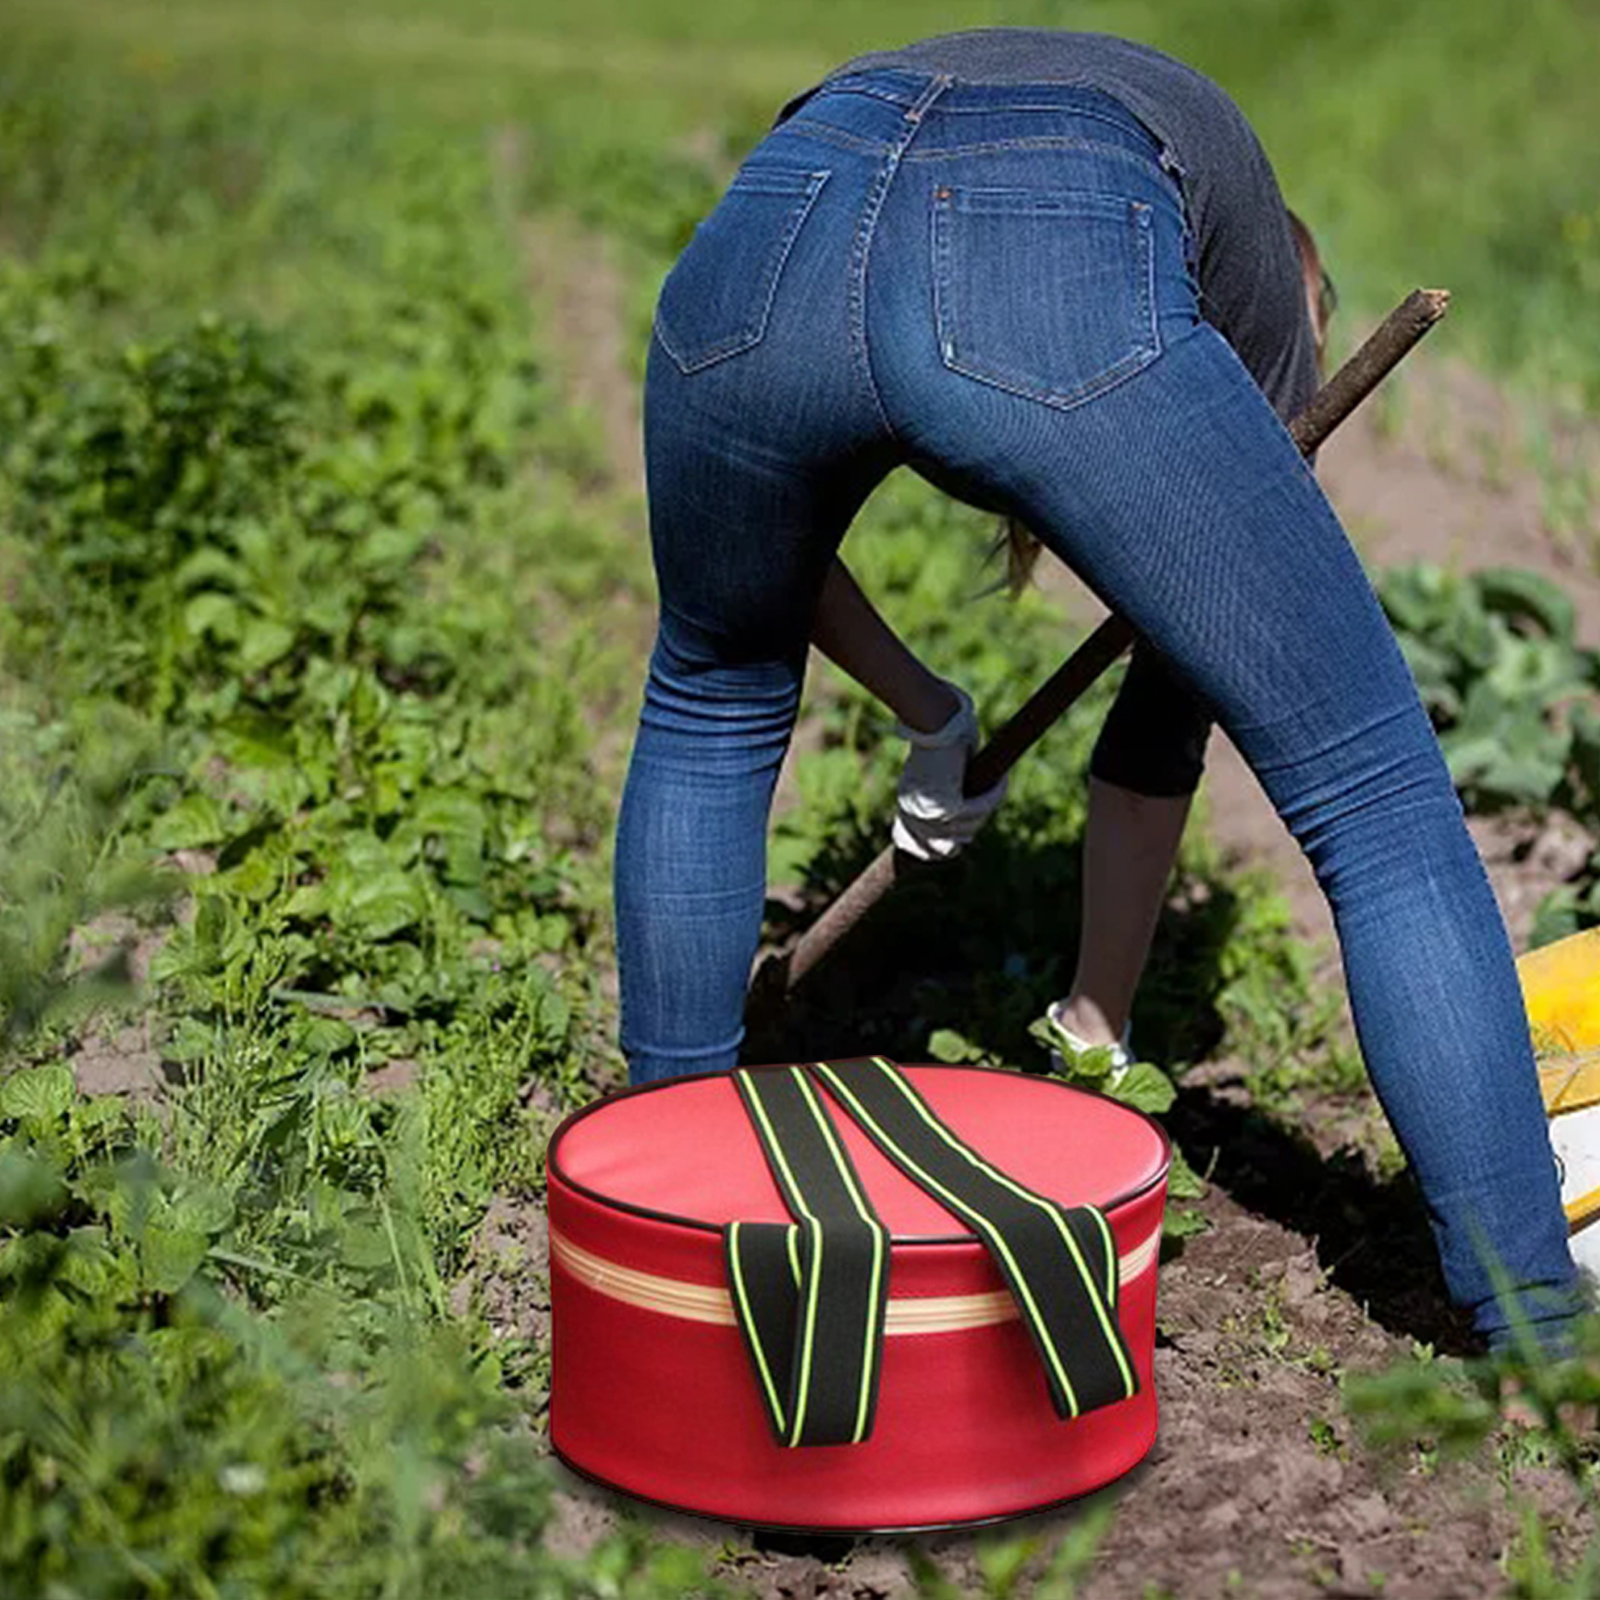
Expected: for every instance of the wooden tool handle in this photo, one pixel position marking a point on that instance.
(1397, 334)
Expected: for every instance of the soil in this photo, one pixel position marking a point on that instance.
(116, 1052)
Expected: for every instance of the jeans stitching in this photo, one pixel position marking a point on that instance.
(833, 135)
(850, 85)
(1044, 142)
(955, 109)
(861, 246)
(754, 330)
(947, 323)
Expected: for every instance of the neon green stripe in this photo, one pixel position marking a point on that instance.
(813, 1291)
(858, 1199)
(808, 1339)
(1101, 1314)
(786, 1175)
(1111, 1253)
(750, 1323)
(873, 1334)
(978, 1220)
(792, 1244)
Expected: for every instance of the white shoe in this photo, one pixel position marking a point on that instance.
(1065, 1046)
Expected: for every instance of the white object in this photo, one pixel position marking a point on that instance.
(1575, 1138)
(933, 819)
(1121, 1051)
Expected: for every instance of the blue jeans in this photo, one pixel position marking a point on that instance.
(992, 286)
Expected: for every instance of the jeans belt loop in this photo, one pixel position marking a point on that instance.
(928, 96)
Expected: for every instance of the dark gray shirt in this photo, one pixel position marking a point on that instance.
(1251, 287)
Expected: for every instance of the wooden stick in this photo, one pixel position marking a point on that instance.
(1350, 385)
(1390, 342)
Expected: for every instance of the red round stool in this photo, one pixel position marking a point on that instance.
(852, 1297)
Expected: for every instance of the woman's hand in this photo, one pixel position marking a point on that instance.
(934, 820)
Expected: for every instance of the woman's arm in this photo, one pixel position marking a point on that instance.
(849, 631)
(933, 818)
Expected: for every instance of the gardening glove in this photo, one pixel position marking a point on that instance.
(933, 819)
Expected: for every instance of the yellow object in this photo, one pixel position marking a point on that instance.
(1581, 1209)
(1561, 989)
(1570, 1083)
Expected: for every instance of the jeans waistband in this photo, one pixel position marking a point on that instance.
(920, 98)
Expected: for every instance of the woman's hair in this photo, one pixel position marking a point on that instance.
(1322, 300)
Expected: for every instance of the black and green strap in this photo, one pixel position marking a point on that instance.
(810, 1295)
(1059, 1262)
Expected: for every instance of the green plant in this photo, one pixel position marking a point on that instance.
(67, 798)
(1025, 1564)
(1513, 696)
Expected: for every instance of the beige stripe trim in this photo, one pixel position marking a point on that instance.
(695, 1302)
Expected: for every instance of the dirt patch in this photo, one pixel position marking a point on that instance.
(1527, 856)
(395, 1077)
(114, 1052)
(572, 270)
(113, 1058)
(1257, 1485)
(508, 1271)
(1441, 466)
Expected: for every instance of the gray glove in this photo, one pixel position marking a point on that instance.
(933, 819)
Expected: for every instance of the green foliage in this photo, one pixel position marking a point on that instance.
(1514, 698)
(1396, 89)
(251, 639)
(1025, 1564)
(66, 795)
(157, 1439)
(1494, 658)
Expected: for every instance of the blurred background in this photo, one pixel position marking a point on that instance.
(1434, 141)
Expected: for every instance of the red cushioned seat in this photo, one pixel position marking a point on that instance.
(653, 1390)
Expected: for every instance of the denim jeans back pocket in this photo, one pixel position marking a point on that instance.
(716, 300)
(1045, 293)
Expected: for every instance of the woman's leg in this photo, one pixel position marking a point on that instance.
(1180, 498)
(744, 527)
(1142, 778)
(690, 872)
(762, 438)
(1129, 845)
